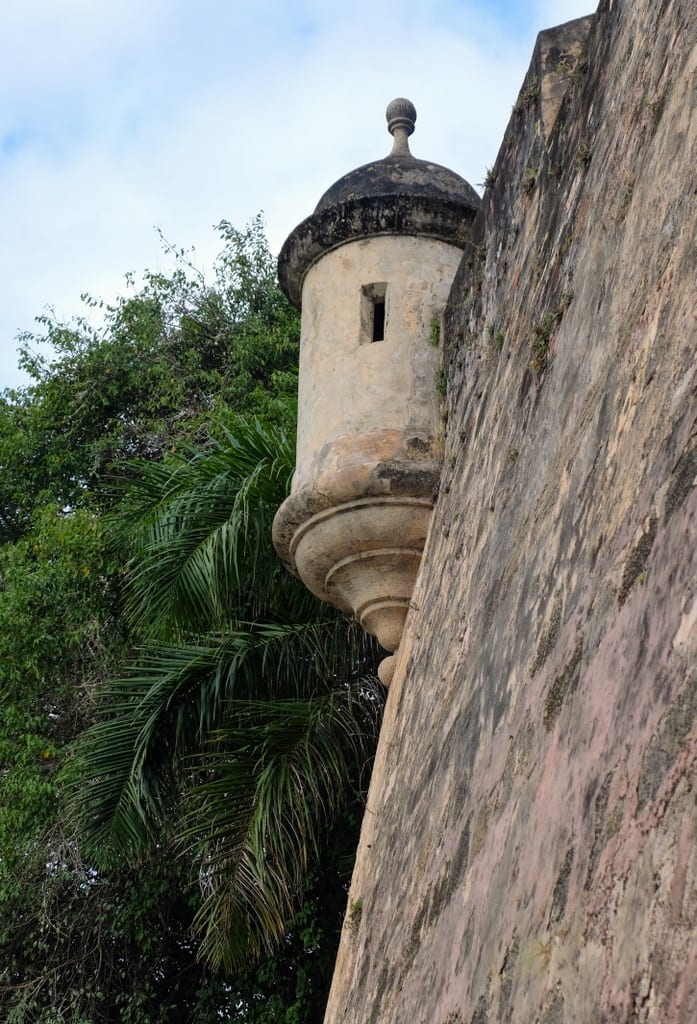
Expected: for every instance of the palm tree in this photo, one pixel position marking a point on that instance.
(248, 716)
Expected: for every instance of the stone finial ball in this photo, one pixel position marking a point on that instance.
(400, 113)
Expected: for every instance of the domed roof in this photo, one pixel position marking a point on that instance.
(396, 195)
(400, 173)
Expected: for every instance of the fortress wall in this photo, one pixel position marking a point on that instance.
(528, 852)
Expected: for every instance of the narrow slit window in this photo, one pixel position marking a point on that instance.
(373, 312)
(379, 319)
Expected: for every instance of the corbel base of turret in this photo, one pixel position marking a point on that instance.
(361, 556)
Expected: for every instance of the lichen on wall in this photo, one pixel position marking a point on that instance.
(528, 851)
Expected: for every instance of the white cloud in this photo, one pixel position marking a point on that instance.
(117, 118)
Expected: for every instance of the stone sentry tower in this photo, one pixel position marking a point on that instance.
(371, 269)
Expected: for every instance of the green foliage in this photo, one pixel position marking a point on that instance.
(55, 626)
(489, 178)
(196, 531)
(74, 944)
(542, 335)
(571, 66)
(84, 947)
(355, 914)
(544, 332)
(530, 178)
(441, 382)
(139, 409)
(162, 360)
(292, 985)
(584, 154)
(246, 721)
(528, 95)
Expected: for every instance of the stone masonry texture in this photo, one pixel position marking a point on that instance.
(528, 852)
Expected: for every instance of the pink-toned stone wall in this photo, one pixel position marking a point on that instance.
(529, 848)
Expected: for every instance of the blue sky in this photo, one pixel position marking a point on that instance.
(120, 118)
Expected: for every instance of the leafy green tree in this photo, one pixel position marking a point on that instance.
(161, 361)
(75, 945)
(111, 937)
(249, 717)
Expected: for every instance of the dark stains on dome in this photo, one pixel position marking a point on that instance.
(400, 175)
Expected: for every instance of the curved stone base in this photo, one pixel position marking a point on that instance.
(362, 556)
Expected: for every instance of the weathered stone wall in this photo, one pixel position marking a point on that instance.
(528, 852)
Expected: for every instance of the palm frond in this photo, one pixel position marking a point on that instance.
(276, 775)
(244, 722)
(163, 709)
(197, 530)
